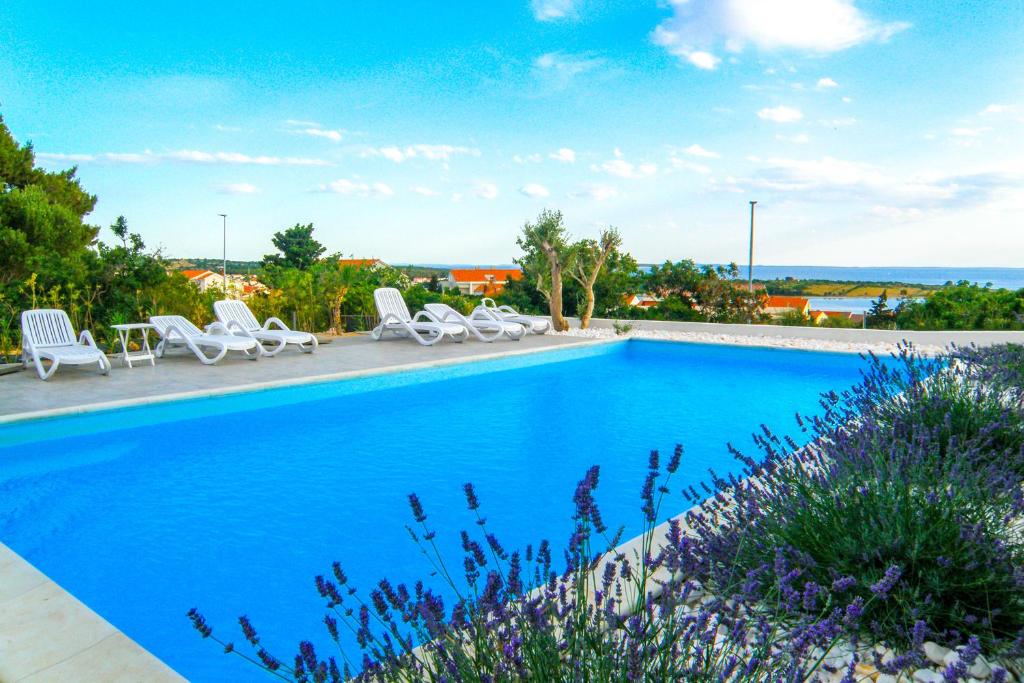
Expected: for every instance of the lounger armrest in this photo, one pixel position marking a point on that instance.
(171, 333)
(86, 338)
(389, 318)
(508, 309)
(426, 314)
(221, 328)
(483, 313)
(275, 321)
(229, 325)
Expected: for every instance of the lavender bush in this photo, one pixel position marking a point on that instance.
(908, 498)
(631, 616)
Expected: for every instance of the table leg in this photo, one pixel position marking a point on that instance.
(123, 336)
(145, 346)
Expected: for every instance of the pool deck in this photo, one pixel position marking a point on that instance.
(77, 389)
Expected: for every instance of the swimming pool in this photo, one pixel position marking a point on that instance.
(233, 504)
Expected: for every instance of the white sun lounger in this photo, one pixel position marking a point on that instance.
(481, 325)
(47, 334)
(235, 315)
(532, 323)
(425, 328)
(176, 330)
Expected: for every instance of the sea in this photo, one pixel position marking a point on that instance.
(1008, 278)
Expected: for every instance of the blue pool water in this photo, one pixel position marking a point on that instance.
(234, 504)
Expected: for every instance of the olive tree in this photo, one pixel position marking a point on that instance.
(546, 253)
(586, 259)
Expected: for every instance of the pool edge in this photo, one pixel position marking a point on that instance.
(29, 416)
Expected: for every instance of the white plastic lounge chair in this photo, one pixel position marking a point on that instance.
(532, 323)
(424, 327)
(47, 334)
(482, 325)
(235, 315)
(175, 330)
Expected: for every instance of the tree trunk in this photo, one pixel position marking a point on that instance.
(588, 309)
(558, 321)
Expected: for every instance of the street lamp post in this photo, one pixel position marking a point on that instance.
(224, 265)
(750, 262)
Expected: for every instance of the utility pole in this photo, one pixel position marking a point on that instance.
(750, 262)
(224, 266)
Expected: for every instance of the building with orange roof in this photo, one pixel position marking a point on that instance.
(481, 281)
(818, 317)
(776, 306)
(203, 278)
(642, 301)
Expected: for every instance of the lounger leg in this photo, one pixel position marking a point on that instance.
(45, 374)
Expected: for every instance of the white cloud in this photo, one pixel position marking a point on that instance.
(184, 155)
(687, 165)
(835, 180)
(698, 151)
(558, 69)
(529, 158)
(781, 114)
(826, 83)
(564, 154)
(333, 135)
(238, 188)
(847, 100)
(485, 190)
(424, 191)
(357, 188)
(703, 60)
(431, 152)
(535, 190)
(622, 168)
(551, 10)
(996, 109)
(227, 129)
(813, 26)
(200, 157)
(625, 169)
(598, 193)
(313, 129)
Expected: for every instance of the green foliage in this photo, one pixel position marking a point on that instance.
(297, 248)
(793, 318)
(964, 306)
(880, 315)
(41, 220)
(700, 293)
(843, 323)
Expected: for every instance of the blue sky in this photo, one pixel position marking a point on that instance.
(871, 133)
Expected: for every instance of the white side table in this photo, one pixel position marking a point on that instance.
(145, 353)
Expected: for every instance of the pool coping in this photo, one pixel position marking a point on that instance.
(291, 382)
